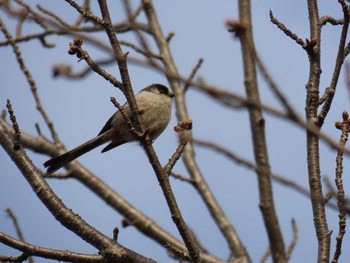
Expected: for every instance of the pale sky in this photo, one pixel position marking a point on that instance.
(80, 108)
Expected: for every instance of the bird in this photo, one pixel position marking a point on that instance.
(154, 103)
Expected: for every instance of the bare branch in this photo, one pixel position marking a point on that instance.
(138, 219)
(107, 247)
(182, 178)
(85, 6)
(61, 255)
(265, 256)
(235, 101)
(331, 20)
(236, 246)
(257, 125)
(85, 13)
(53, 15)
(293, 241)
(75, 49)
(291, 112)
(36, 17)
(18, 229)
(329, 93)
(193, 73)
(312, 140)
(287, 31)
(30, 81)
(183, 129)
(347, 77)
(344, 126)
(17, 137)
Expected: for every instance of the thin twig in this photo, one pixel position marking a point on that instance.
(17, 137)
(86, 6)
(287, 31)
(75, 49)
(126, 118)
(265, 256)
(36, 17)
(176, 156)
(149, 55)
(53, 15)
(182, 178)
(347, 77)
(183, 129)
(59, 255)
(20, 258)
(337, 68)
(235, 101)
(291, 112)
(249, 164)
(294, 240)
(193, 73)
(331, 20)
(86, 13)
(137, 12)
(20, 23)
(16, 224)
(344, 126)
(18, 229)
(30, 81)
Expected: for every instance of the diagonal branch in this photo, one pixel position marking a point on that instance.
(134, 216)
(60, 255)
(289, 33)
(18, 229)
(329, 92)
(257, 121)
(107, 247)
(227, 229)
(312, 139)
(30, 80)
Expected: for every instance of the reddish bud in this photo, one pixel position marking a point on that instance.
(345, 115)
(235, 26)
(338, 125)
(77, 41)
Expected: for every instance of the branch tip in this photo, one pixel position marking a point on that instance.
(115, 233)
(235, 26)
(17, 138)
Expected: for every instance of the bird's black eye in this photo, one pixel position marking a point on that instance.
(162, 89)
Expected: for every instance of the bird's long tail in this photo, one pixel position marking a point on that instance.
(58, 162)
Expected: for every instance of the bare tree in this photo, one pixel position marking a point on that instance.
(114, 43)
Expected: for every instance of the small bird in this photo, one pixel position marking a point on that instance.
(154, 103)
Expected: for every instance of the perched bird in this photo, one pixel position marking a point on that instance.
(154, 103)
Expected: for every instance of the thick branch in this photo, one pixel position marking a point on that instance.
(235, 244)
(312, 140)
(107, 247)
(60, 255)
(135, 217)
(257, 121)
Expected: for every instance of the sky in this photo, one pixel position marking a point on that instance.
(79, 109)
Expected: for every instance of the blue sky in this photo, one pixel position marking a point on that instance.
(80, 108)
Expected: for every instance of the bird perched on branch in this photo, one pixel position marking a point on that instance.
(154, 103)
